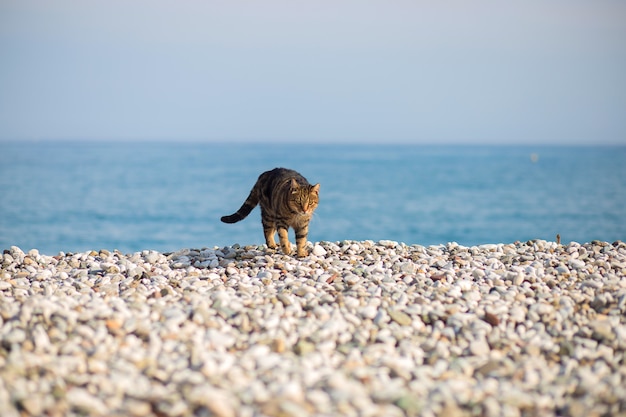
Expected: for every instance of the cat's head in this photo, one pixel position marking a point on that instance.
(304, 198)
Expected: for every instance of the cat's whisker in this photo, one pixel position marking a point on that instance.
(314, 215)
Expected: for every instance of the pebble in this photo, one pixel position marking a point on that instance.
(356, 328)
(318, 250)
(400, 317)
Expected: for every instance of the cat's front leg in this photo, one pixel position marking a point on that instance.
(283, 236)
(301, 234)
(269, 230)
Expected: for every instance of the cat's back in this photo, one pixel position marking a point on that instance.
(280, 174)
(278, 177)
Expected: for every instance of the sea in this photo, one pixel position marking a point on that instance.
(64, 196)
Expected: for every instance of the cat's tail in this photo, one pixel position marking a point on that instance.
(245, 209)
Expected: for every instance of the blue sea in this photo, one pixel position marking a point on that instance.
(79, 196)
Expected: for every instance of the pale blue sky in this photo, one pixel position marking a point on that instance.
(549, 71)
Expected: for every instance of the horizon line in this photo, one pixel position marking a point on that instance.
(326, 142)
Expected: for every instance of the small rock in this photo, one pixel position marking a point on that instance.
(84, 402)
(562, 269)
(318, 250)
(478, 273)
(303, 347)
(491, 319)
(479, 347)
(400, 317)
(577, 263)
(602, 330)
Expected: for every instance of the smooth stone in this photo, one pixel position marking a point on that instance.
(318, 250)
(562, 269)
(479, 347)
(400, 317)
(577, 263)
(602, 330)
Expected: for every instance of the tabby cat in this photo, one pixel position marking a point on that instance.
(287, 200)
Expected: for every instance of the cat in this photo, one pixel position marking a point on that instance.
(287, 200)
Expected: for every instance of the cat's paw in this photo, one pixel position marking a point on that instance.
(286, 247)
(302, 250)
(271, 248)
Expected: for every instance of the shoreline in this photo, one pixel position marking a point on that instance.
(357, 328)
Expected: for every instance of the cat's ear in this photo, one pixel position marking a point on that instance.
(294, 185)
(315, 189)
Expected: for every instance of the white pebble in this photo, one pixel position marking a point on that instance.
(318, 250)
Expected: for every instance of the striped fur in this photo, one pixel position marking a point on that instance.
(287, 200)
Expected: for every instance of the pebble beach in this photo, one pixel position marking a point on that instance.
(357, 328)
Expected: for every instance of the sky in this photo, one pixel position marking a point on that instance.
(492, 72)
